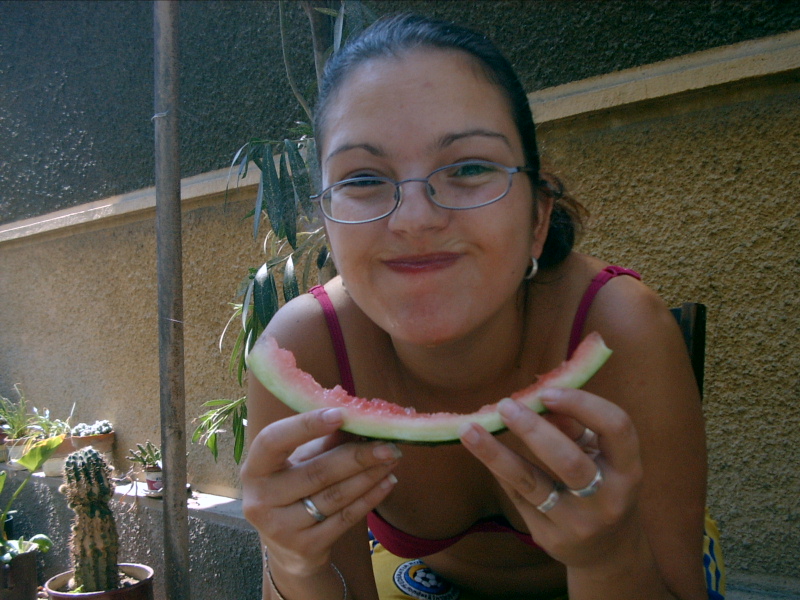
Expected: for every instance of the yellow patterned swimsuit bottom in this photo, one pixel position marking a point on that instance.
(403, 579)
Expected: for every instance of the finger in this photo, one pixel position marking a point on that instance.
(274, 444)
(331, 468)
(556, 451)
(616, 434)
(320, 446)
(339, 496)
(522, 480)
(573, 429)
(354, 513)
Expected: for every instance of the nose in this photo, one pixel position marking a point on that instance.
(416, 212)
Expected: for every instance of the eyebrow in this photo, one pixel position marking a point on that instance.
(450, 138)
(374, 150)
(442, 142)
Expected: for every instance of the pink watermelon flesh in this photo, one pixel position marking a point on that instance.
(277, 370)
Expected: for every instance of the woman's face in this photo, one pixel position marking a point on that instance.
(425, 274)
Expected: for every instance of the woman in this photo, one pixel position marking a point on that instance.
(457, 285)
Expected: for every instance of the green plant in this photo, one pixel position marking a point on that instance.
(94, 543)
(42, 425)
(295, 247)
(148, 455)
(96, 428)
(32, 460)
(213, 420)
(15, 415)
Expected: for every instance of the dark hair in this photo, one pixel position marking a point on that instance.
(393, 35)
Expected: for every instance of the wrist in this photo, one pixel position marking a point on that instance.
(630, 572)
(317, 583)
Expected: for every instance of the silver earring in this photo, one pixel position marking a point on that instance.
(533, 269)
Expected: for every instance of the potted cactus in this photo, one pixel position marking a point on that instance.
(148, 457)
(95, 574)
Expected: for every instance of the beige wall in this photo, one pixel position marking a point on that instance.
(694, 185)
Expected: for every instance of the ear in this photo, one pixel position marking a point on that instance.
(541, 224)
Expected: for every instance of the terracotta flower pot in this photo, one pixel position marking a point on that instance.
(143, 590)
(102, 442)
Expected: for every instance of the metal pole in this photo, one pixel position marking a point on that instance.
(170, 300)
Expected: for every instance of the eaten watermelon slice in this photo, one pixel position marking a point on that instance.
(277, 370)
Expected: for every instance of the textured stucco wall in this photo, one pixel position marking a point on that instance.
(76, 81)
(704, 204)
(78, 317)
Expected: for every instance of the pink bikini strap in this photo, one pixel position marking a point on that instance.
(598, 282)
(337, 337)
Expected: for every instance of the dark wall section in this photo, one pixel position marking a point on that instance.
(76, 77)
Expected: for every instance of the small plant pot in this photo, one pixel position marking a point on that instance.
(143, 590)
(18, 579)
(154, 479)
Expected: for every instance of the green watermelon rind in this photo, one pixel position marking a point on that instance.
(277, 370)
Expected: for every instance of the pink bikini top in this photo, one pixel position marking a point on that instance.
(395, 540)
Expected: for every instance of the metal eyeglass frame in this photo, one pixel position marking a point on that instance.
(398, 192)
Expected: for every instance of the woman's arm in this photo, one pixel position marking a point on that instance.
(640, 534)
(291, 457)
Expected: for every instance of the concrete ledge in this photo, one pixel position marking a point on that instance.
(766, 57)
(198, 190)
(743, 586)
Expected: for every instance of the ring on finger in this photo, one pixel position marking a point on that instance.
(551, 501)
(591, 489)
(312, 510)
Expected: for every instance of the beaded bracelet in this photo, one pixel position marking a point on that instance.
(275, 588)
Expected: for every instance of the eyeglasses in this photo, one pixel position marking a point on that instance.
(460, 186)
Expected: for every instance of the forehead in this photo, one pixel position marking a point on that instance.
(423, 89)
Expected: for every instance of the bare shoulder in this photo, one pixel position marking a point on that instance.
(300, 327)
(631, 316)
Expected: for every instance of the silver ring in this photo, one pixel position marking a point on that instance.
(586, 438)
(551, 501)
(591, 489)
(312, 510)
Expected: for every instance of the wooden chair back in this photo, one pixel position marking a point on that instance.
(691, 318)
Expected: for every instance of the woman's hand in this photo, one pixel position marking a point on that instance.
(582, 531)
(305, 457)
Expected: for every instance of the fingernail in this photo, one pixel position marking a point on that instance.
(551, 396)
(469, 434)
(387, 452)
(333, 415)
(388, 481)
(509, 409)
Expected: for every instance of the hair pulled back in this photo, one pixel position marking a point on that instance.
(391, 36)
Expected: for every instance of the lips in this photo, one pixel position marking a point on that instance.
(422, 263)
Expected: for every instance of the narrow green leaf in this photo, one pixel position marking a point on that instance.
(272, 193)
(290, 289)
(3, 475)
(248, 297)
(288, 204)
(338, 27)
(259, 206)
(265, 295)
(300, 177)
(211, 444)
